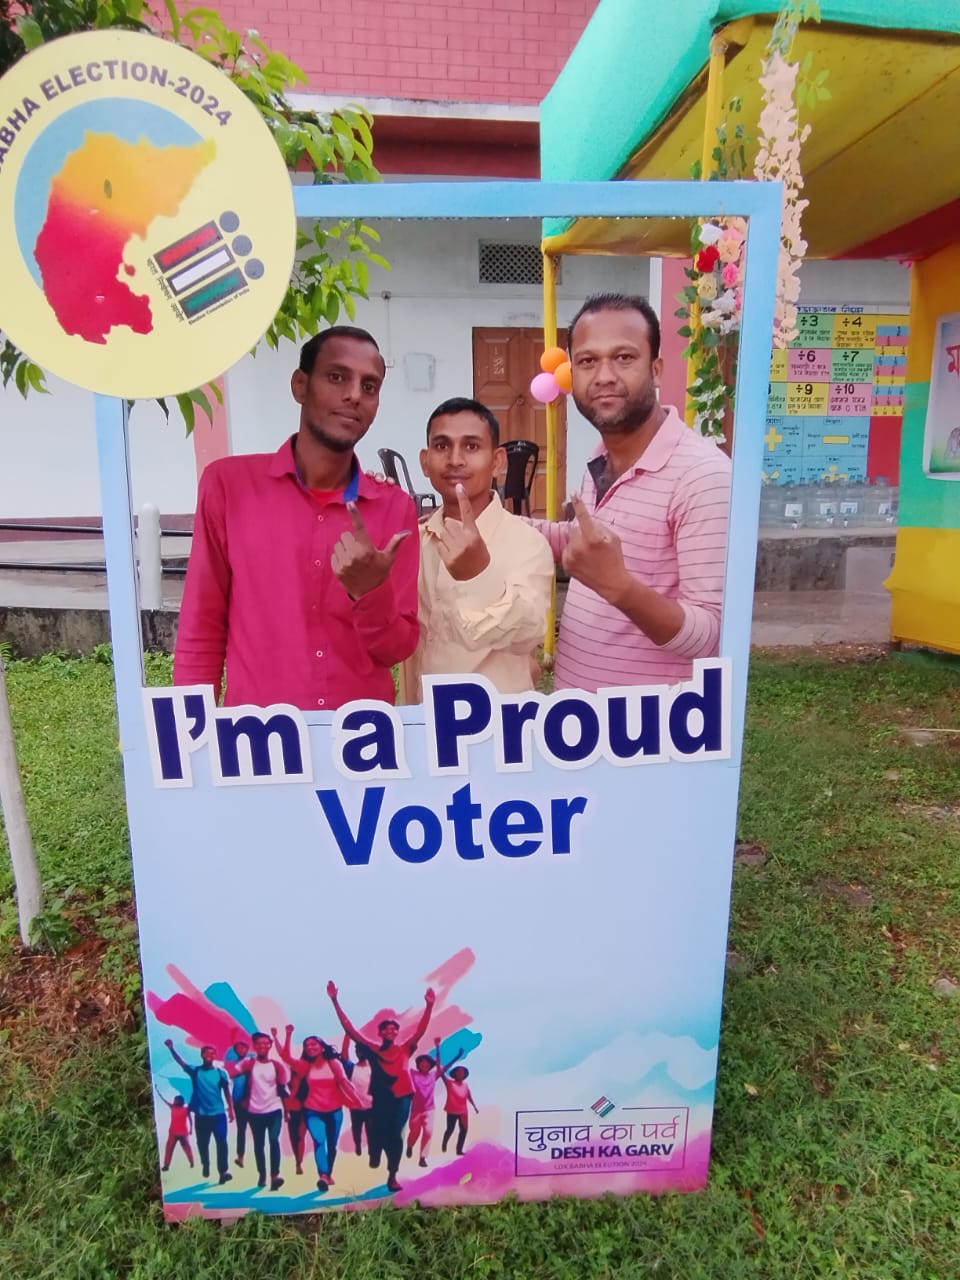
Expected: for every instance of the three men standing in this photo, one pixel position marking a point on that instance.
(304, 573)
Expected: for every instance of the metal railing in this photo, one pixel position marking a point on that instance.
(151, 564)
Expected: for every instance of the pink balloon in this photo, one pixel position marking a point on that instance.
(544, 388)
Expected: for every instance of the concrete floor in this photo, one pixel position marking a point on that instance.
(858, 615)
(820, 617)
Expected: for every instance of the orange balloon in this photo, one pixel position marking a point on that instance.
(564, 376)
(552, 357)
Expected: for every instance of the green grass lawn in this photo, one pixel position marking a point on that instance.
(837, 1132)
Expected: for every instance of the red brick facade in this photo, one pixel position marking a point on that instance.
(506, 51)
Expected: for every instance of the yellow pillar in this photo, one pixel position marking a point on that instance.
(550, 340)
(553, 461)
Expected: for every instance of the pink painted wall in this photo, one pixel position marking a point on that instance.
(211, 440)
(673, 383)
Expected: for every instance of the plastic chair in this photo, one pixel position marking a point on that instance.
(393, 463)
(522, 459)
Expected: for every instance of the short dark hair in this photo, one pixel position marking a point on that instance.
(261, 1035)
(463, 404)
(310, 350)
(388, 1022)
(619, 302)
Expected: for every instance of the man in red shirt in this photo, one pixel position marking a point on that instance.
(390, 1085)
(303, 573)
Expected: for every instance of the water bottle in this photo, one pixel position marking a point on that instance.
(791, 506)
(894, 504)
(770, 497)
(878, 508)
(850, 505)
(823, 507)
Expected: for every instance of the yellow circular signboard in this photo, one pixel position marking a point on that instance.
(147, 227)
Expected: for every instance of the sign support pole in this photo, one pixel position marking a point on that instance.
(113, 448)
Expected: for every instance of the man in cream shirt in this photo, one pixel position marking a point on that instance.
(485, 575)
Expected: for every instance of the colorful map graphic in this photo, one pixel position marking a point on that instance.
(143, 200)
(95, 177)
(108, 191)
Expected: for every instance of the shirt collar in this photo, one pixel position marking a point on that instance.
(657, 453)
(284, 463)
(487, 520)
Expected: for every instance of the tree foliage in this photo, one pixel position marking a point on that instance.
(333, 263)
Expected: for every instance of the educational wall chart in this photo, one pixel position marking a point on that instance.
(836, 401)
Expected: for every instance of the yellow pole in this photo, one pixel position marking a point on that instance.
(553, 462)
(550, 340)
(713, 115)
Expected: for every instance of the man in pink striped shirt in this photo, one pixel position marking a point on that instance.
(646, 547)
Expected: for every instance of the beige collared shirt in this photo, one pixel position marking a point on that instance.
(492, 624)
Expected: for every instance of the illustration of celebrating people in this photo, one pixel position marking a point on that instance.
(425, 1074)
(292, 1104)
(267, 1079)
(458, 1096)
(360, 1073)
(232, 1061)
(324, 1091)
(181, 1127)
(211, 1103)
(391, 1086)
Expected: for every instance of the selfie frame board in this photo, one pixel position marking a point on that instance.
(699, 801)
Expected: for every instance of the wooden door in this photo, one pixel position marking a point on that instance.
(504, 361)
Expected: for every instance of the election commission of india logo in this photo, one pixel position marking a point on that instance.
(147, 227)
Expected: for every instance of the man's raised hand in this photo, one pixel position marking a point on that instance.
(360, 565)
(593, 555)
(462, 548)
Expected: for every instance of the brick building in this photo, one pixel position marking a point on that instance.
(455, 88)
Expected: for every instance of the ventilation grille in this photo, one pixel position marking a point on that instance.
(511, 264)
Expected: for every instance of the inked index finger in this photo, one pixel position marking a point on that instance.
(357, 521)
(466, 508)
(584, 518)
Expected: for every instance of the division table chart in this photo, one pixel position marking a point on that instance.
(836, 397)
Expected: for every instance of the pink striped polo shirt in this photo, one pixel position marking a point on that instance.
(670, 511)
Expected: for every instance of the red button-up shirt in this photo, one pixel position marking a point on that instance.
(261, 596)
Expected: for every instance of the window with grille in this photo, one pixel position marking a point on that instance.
(510, 264)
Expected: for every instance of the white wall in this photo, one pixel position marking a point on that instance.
(48, 443)
(48, 455)
(854, 284)
(48, 461)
